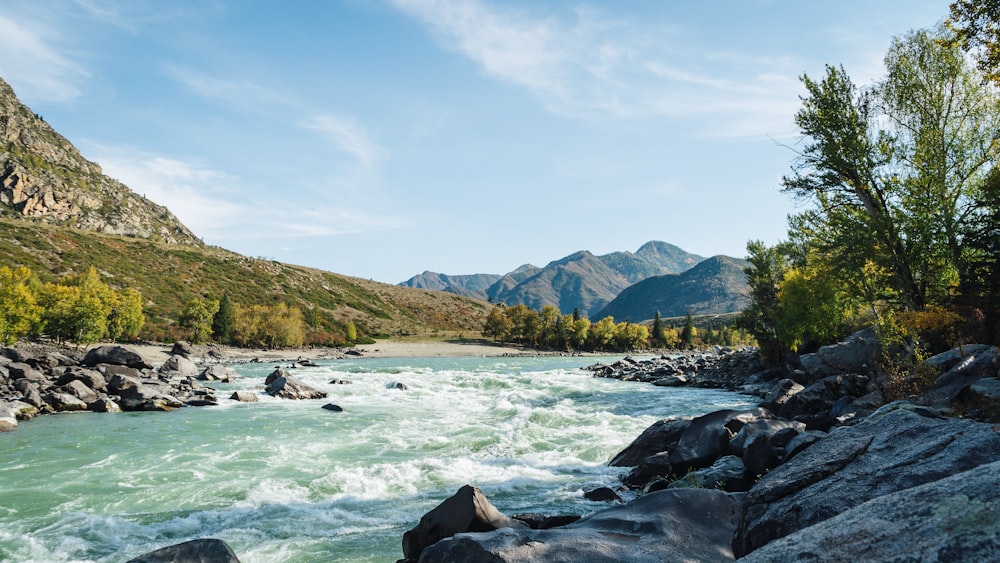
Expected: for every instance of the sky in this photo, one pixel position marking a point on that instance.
(382, 138)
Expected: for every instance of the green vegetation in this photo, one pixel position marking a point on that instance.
(81, 308)
(170, 276)
(903, 216)
(547, 329)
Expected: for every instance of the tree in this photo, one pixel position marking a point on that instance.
(602, 333)
(689, 333)
(19, 311)
(764, 276)
(197, 316)
(126, 317)
(977, 27)
(351, 332)
(498, 325)
(656, 337)
(222, 321)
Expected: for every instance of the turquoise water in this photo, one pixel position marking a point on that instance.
(288, 481)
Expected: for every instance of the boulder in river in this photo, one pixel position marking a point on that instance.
(194, 551)
(292, 388)
(115, 355)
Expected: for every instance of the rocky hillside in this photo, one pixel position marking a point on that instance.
(473, 285)
(715, 286)
(580, 281)
(44, 178)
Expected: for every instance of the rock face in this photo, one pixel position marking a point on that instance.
(894, 449)
(194, 551)
(468, 510)
(954, 519)
(672, 525)
(44, 178)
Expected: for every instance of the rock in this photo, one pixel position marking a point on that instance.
(194, 551)
(671, 381)
(951, 519)
(218, 372)
(183, 349)
(8, 422)
(79, 390)
(91, 378)
(468, 510)
(726, 473)
(858, 353)
(600, 494)
(673, 525)
(244, 397)
(340, 382)
(782, 391)
(278, 372)
(292, 388)
(22, 410)
(115, 355)
(333, 407)
(707, 438)
(894, 449)
(655, 439)
(543, 522)
(820, 397)
(20, 370)
(649, 469)
(63, 402)
(178, 365)
(802, 441)
(104, 404)
(397, 385)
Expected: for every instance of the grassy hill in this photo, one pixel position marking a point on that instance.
(169, 275)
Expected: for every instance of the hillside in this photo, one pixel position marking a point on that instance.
(59, 215)
(715, 286)
(44, 178)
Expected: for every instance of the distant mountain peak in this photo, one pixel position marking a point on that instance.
(44, 178)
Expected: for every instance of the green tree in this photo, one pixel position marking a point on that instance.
(656, 336)
(977, 27)
(351, 332)
(498, 325)
(19, 311)
(602, 333)
(197, 316)
(764, 276)
(689, 333)
(126, 317)
(222, 320)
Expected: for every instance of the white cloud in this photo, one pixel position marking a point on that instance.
(348, 136)
(34, 66)
(593, 64)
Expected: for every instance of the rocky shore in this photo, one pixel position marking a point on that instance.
(825, 469)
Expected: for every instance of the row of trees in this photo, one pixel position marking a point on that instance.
(548, 328)
(80, 308)
(271, 326)
(901, 221)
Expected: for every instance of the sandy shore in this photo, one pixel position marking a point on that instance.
(157, 354)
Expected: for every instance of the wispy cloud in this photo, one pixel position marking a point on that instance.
(34, 65)
(587, 63)
(348, 136)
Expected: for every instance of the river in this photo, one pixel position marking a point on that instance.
(283, 480)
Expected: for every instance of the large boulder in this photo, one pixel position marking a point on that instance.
(80, 390)
(952, 519)
(707, 437)
(653, 440)
(967, 383)
(178, 365)
(194, 551)
(858, 353)
(671, 525)
(292, 388)
(218, 372)
(8, 421)
(468, 510)
(115, 355)
(91, 378)
(896, 448)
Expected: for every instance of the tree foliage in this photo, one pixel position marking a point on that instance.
(19, 311)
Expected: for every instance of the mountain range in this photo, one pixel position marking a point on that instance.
(629, 286)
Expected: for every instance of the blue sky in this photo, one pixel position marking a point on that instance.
(379, 139)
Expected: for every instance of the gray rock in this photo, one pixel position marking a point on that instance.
(80, 390)
(244, 397)
(292, 388)
(779, 394)
(893, 450)
(672, 525)
(183, 349)
(858, 353)
(952, 519)
(333, 407)
(63, 402)
(218, 372)
(707, 437)
(178, 365)
(115, 355)
(104, 404)
(468, 510)
(91, 378)
(194, 551)
(8, 422)
(278, 372)
(655, 439)
(20, 370)
(727, 469)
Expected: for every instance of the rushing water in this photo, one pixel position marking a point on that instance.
(284, 480)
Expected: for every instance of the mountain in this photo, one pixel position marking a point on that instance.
(585, 282)
(510, 280)
(715, 286)
(473, 285)
(59, 214)
(44, 178)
